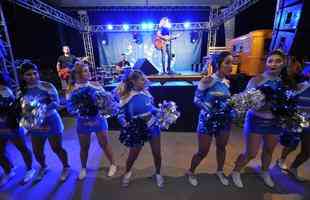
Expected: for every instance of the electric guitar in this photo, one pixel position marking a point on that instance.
(160, 42)
(64, 73)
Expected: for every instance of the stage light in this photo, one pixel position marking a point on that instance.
(194, 36)
(144, 26)
(104, 42)
(109, 27)
(150, 26)
(187, 25)
(137, 38)
(126, 27)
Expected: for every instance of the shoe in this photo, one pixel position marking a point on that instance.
(192, 179)
(267, 178)
(159, 180)
(29, 175)
(222, 177)
(82, 174)
(7, 177)
(41, 173)
(237, 179)
(112, 170)
(294, 173)
(126, 179)
(65, 173)
(281, 164)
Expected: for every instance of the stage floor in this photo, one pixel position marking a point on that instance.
(177, 148)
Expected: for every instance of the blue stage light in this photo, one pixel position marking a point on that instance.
(126, 27)
(187, 25)
(144, 26)
(150, 25)
(109, 27)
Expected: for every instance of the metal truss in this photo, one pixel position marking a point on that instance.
(87, 40)
(139, 27)
(6, 54)
(144, 8)
(50, 12)
(232, 10)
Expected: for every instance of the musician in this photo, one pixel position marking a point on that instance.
(65, 63)
(164, 34)
(123, 63)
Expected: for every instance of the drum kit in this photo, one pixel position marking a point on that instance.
(107, 74)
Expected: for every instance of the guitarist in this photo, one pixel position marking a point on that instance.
(163, 33)
(65, 63)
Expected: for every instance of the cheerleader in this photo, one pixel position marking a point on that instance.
(91, 124)
(303, 92)
(139, 124)
(10, 131)
(209, 91)
(52, 127)
(261, 125)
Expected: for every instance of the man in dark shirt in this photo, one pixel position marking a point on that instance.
(65, 63)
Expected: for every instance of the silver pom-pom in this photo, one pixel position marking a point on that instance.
(168, 114)
(250, 99)
(107, 106)
(33, 112)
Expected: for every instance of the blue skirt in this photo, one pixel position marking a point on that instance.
(52, 126)
(92, 125)
(137, 133)
(213, 125)
(262, 126)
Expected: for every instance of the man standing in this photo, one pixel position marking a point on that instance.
(65, 63)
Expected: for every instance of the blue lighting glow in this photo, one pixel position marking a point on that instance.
(187, 25)
(109, 27)
(126, 27)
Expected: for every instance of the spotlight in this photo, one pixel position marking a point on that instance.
(150, 26)
(126, 27)
(137, 38)
(187, 25)
(144, 26)
(109, 27)
(104, 42)
(194, 36)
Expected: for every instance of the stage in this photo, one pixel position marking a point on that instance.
(177, 149)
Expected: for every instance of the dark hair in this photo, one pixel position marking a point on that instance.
(26, 66)
(217, 60)
(278, 52)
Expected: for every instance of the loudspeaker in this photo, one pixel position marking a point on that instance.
(145, 66)
(291, 30)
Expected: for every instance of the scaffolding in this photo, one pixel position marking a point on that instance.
(6, 53)
(140, 27)
(232, 10)
(87, 40)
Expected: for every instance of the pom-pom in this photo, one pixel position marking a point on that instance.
(168, 114)
(89, 101)
(33, 112)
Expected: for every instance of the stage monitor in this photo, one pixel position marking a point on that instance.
(145, 66)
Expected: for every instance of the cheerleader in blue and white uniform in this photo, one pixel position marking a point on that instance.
(139, 124)
(91, 124)
(11, 132)
(52, 126)
(210, 90)
(261, 125)
(303, 94)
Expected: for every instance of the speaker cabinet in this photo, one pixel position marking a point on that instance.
(145, 66)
